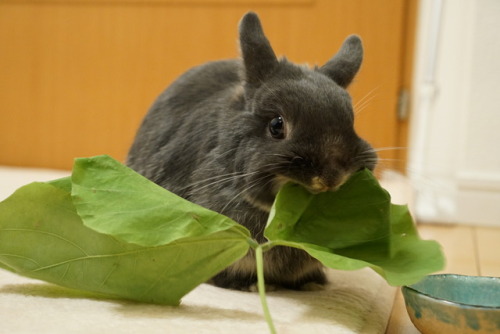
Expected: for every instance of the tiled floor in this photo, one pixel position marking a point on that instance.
(469, 250)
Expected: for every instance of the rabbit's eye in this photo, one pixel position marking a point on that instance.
(277, 127)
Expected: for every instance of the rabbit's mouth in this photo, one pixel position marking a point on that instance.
(319, 185)
(316, 184)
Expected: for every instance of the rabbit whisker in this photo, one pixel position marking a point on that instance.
(222, 180)
(365, 101)
(253, 184)
(223, 176)
(366, 96)
(380, 149)
(226, 180)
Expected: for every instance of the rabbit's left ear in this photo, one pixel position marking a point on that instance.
(342, 67)
(258, 56)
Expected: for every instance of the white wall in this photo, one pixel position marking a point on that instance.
(454, 160)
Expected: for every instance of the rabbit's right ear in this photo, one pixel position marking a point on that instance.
(346, 63)
(258, 56)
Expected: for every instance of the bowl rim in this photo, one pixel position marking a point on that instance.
(461, 304)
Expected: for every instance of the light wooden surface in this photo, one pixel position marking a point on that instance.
(468, 250)
(77, 77)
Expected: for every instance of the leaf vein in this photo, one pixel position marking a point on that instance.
(21, 257)
(46, 233)
(137, 251)
(151, 287)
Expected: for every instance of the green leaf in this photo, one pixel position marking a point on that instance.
(113, 199)
(354, 227)
(357, 213)
(42, 236)
(62, 183)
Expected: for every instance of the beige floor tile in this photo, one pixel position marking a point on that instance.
(488, 250)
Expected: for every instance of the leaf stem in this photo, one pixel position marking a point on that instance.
(262, 288)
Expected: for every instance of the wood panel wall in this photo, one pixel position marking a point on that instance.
(76, 77)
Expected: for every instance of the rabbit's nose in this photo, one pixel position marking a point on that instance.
(318, 185)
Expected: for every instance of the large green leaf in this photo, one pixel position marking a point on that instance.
(356, 214)
(354, 227)
(113, 199)
(42, 236)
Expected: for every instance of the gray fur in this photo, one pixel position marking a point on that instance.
(206, 138)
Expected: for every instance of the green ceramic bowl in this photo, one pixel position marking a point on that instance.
(454, 304)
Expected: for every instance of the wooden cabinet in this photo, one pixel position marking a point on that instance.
(76, 77)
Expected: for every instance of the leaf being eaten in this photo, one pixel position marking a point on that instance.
(354, 227)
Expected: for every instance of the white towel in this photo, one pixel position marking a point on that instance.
(353, 302)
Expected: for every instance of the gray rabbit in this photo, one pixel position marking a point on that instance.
(228, 134)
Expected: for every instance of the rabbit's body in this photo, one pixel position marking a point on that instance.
(228, 134)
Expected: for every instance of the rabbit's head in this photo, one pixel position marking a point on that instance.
(299, 122)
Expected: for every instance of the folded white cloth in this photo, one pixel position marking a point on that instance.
(353, 302)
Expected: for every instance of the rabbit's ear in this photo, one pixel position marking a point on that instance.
(258, 56)
(342, 67)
